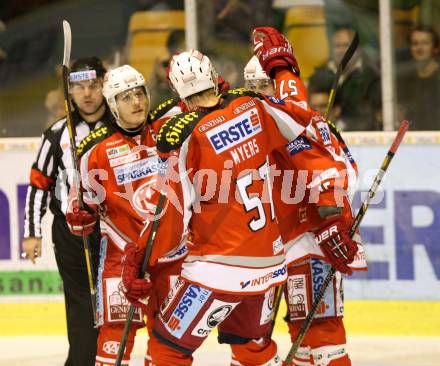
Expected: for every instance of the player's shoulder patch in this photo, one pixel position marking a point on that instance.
(162, 109)
(301, 143)
(176, 130)
(93, 138)
(276, 100)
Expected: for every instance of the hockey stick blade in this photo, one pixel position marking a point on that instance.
(67, 43)
(357, 221)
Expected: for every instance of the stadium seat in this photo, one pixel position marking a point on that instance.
(305, 28)
(148, 32)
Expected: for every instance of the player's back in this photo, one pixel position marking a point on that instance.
(225, 153)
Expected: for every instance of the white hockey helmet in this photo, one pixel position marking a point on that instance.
(119, 80)
(254, 71)
(191, 72)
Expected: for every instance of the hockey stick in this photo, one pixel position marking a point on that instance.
(75, 162)
(345, 59)
(148, 249)
(360, 215)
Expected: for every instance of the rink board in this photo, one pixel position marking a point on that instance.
(400, 229)
(367, 317)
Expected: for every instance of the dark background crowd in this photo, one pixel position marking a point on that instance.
(31, 42)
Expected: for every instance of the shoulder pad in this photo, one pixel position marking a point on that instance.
(58, 124)
(175, 131)
(162, 109)
(240, 92)
(93, 138)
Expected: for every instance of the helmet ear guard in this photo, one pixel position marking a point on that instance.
(191, 72)
(119, 80)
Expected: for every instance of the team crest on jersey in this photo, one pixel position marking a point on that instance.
(235, 131)
(301, 143)
(144, 197)
(134, 171)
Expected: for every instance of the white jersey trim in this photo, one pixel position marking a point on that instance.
(240, 280)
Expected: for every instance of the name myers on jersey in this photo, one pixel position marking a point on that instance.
(138, 170)
(235, 131)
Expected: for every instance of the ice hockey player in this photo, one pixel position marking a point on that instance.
(51, 165)
(218, 151)
(119, 167)
(326, 190)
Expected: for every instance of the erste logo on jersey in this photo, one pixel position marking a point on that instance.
(187, 309)
(319, 270)
(235, 131)
(301, 143)
(135, 171)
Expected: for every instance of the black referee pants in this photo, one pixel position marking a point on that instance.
(69, 254)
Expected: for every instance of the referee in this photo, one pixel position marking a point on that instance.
(54, 157)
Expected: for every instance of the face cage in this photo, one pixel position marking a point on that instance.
(253, 84)
(114, 107)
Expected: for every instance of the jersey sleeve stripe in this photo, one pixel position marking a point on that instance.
(43, 156)
(35, 209)
(287, 125)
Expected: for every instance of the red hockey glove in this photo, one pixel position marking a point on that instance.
(273, 50)
(335, 242)
(80, 222)
(136, 290)
(223, 85)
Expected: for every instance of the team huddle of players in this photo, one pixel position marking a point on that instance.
(258, 191)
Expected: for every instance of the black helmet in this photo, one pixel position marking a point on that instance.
(89, 63)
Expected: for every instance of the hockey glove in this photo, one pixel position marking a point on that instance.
(273, 50)
(80, 222)
(136, 290)
(335, 242)
(223, 85)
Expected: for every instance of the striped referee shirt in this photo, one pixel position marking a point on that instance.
(54, 161)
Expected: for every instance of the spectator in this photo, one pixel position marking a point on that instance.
(158, 79)
(318, 99)
(358, 92)
(419, 85)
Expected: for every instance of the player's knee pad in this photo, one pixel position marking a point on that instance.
(163, 354)
(335, 355)
(255, 352)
